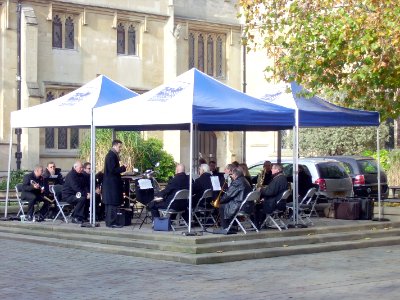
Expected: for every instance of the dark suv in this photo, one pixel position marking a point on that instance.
(363, 170)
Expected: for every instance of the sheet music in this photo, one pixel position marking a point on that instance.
(53, 176)
(145, 184)
(215, 183)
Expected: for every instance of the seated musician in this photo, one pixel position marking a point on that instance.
(261, 181)
(99, 206)
(265, 176)
(274, 191)
(305, 182)
(33, 192)
(76, 192)
(233, 197)
(214, 171)
(179, 182)
(52, 176)
(201, 184)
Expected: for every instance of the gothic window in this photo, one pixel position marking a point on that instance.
(74, 138)
(132, 40)
(210, 56)
(120, 39)
(49, 132)
(200, 53)
(207, 52)
(191, 50)
(127, 38)
(63, 35)
(69, 33)
(219, 58)
(61, 138)
(57, 32)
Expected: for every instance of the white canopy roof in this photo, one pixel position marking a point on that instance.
(72, 109)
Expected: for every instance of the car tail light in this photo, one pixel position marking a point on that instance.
(321, 183)
(359, 180)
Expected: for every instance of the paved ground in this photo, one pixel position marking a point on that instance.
(30, 271)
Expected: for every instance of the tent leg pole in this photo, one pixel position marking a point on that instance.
(381, 215)
(8, 173)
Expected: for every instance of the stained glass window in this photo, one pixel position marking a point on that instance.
(121, 39)
(57, 32)
(131, 40)
(210, 56)
(191, 51)
(200, 53)
(69, 33)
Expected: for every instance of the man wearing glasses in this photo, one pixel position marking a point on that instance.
(51, 176)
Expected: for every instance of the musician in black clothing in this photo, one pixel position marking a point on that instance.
(201, 184)
(179, 182)
(33, 192)
(99, 206)
(52, 176)
(76, 192)
(265, 176)
(305, 182)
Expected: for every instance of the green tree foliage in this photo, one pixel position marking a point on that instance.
(137, 152)
(346, 50)
(16, 176)
(337, 140)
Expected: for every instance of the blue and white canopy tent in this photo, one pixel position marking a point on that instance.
(317, 112)
(74, 109)
(194, 99)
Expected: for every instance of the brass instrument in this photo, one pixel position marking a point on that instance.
(216, 202)
(260, 179)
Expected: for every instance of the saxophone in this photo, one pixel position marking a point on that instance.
(260, 179)
(216, 202)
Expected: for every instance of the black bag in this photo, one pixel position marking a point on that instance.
(366, 208)
(162, 224)
(124, 216)
(347, 210)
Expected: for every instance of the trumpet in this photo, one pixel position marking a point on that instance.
(216, 202)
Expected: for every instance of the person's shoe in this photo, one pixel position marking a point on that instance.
(115, 226)
(29, 218)
(76, 221)
(40, 218)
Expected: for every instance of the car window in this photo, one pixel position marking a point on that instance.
(255, 170)
(288, 169)
(368, 166)
(331, 170)
(347, 167)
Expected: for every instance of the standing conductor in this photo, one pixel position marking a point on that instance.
(112, 184)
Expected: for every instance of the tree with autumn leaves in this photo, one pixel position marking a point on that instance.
(348, 51)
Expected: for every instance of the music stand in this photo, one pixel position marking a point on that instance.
(144, 191)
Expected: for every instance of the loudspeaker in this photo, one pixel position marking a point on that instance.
(124, 216)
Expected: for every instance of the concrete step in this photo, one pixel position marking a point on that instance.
(215, 244)
(209, 258)
(205, 243)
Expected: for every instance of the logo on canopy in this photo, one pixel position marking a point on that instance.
(169, 92)
(75, 98)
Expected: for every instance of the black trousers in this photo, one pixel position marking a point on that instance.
(111, 214)
(224, 221)
(81, 207)
(33, 198)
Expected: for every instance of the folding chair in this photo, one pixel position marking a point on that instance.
(203, 212)
(306, 206)
(274, 219)
(56, 190)
(182, 199)
(21, 203)
(242, 217)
